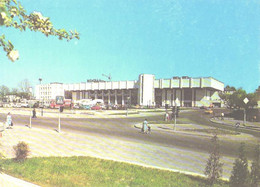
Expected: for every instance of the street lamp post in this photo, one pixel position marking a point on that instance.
(40, 80)
(245, 101)
(175, 111)
(127, 105)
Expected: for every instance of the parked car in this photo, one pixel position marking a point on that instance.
(17, 105)
(87, 107)
(76, 106)
(96, 107)
(24, 105)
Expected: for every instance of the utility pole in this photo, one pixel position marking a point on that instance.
(245, 101)
(40, 79)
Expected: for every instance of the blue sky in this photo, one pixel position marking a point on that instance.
(167, 38)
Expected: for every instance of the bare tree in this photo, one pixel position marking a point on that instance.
(4, 90)
(24, 86)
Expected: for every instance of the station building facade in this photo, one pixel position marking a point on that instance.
(146, 91)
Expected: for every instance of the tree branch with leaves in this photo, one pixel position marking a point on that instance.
(13, 14)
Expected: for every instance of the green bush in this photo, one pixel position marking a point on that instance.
(240, 173)
(21, 151)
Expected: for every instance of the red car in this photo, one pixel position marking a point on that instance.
(96, 107)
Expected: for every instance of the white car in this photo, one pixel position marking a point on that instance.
(24, 105)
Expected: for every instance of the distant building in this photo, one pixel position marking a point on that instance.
(146, 91)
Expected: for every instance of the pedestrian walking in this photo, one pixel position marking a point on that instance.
(237, 124)
(9, 121)
(166, 117)
(213, 114)
(222, 116)
(34, 113)
(145, 126)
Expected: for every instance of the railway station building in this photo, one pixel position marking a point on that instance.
(146, 91)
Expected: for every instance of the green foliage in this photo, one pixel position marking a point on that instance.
(13, 14)
(255, 168)
(213, 168)
(235, 100)
(21, 151)
(240, 174)
(230, 88)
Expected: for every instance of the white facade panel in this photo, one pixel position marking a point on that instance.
(185, 83)
(175, 83)
(206, 82)
(108, 85)
(76, 86)
(156, 84)
(82, 86)
(88, 85)
(115, 85)
(101, 85)
(195, 83)
(94, 86)
(166, 83)
(217, 85)
(131, 84)
(122, 84)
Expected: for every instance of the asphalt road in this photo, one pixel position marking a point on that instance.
(123, 128)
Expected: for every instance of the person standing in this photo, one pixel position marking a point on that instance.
(34, 113)
(9, 120)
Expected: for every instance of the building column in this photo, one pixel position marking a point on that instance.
(193, 97)
(163, 97)
(130, 100)
(123, 99)
(115, 97)
(96, 95)
(182, 97)
(172, 97)
(108, 97)
(103, 95)
(80, 95)
(87, 95)
(169, 97)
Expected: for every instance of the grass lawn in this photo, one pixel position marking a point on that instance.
(88, 171)
(178, 121)
(123, 113)
(212, 131)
